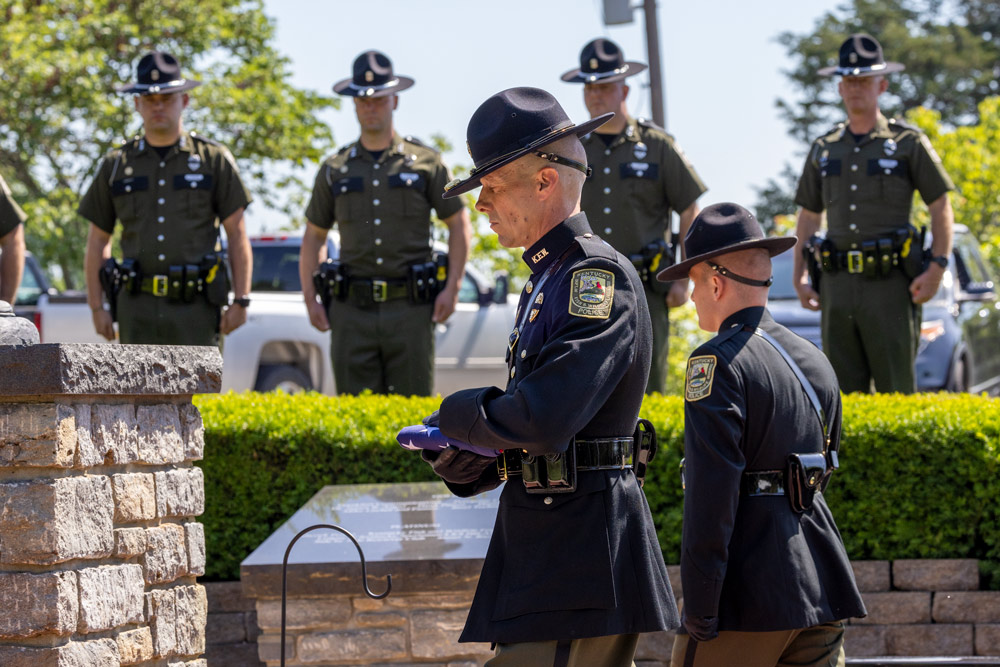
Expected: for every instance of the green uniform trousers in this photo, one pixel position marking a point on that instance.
(661, 340)
(818, 646)
(609, 651)
(871, 329)
(387, 347)
(145, 319)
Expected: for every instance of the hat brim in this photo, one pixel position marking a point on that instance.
(157, 89)
(349, 88)
(775, 245)
(579, 76)
(579, 130)
(836, 70)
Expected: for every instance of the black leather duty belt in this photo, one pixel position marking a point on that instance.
(762, 483)
(596, 454)
(364, 292)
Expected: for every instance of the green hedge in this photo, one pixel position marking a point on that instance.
(918, 479)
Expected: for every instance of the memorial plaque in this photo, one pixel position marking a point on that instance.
(422, 534)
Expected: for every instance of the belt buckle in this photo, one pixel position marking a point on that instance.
(380, 291)
(855, 261)
(159, 285)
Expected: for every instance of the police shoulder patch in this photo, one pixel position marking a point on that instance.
(591, 293)
(700, 373)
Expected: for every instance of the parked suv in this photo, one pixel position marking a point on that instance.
(959, 346)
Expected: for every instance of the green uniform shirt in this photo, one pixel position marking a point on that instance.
(170, 208)
(636, 182)
(382, 208)
(866, 187)
(11, 214)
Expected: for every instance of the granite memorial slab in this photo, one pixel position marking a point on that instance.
(424, 536)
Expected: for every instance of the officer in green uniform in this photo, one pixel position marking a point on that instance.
(170, 189)
(863, 174)
(379, 191)
(11, 244)
(640, 175)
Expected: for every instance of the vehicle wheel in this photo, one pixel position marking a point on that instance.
(288, 379)
(958, 379)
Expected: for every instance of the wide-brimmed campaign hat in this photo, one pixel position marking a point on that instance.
(602, 61)
(157, 73)
(513, 123)
(861, 55)
(720, 229)
(373, 77)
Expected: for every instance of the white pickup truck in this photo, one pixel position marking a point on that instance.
(278, 348)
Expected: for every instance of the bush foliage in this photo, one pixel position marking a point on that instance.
(919, 477)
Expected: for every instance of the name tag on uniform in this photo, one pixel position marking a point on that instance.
(126, 186)
(345, 185)
(406, 179)
(644, 170)
(193, 182)
(888, 166)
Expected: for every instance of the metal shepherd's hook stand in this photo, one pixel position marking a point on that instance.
(364, 575)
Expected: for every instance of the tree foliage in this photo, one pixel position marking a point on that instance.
(60, 63)
(951, 49)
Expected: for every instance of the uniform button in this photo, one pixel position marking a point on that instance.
(607, 152)
(607, 191)
(607, 170)
(375, 182)
(375, 167)
(512, 373)
(606, 210)
(888, 171)
(607, 230)
(378, 260)
(161, 257)
(343, 188)
(857, 149)
(854, 207)
(162, 182)
(194, 185)
(378, 221)
(343, 169)
(854, 186)
(548, 500)
(375, 202)
(823, 173)
(378, 241)
(128, 188)
(853, 227)
(160, 237)
(163, 164)
(524, 353)
(854, 167)
(160, 219)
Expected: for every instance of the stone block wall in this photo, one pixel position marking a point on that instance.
(99, 546)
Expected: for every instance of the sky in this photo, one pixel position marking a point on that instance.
(722, 70)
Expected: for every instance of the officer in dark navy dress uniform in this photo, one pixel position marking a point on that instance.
(766, 578)
(574, 571)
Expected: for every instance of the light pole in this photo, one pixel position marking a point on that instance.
(617, 12)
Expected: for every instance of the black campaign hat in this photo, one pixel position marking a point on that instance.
(373, 77)
(158, 72)
(511, 124)
(720, 229)
(861, 55)
(602, 61)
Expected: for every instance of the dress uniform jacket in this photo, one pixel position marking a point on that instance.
(382, 207)
(636, 181)
(752, 561)
(587, 563)
(11, 214)
(170, 209)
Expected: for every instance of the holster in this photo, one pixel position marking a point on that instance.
(130, 275)
(427, 279)
(644, 440)
(913, 257)
(111, 284)
(805, 474)
(214, 274)
(330, 283)
(551, 473)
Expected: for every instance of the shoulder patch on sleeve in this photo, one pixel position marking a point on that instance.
(700, 373)
(591, 293)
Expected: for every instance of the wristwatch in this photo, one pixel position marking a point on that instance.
(941, 261)
(242, 301)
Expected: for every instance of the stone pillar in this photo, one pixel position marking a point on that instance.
(99, 549)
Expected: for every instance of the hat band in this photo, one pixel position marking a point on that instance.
(590, 77)
(154, 88)
(378, 86)
(848, 71)
(738, 278)
(526, 143)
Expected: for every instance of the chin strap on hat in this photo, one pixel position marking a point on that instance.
(740, 279)
(559, 159)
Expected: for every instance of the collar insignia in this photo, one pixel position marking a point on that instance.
(539, 256)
